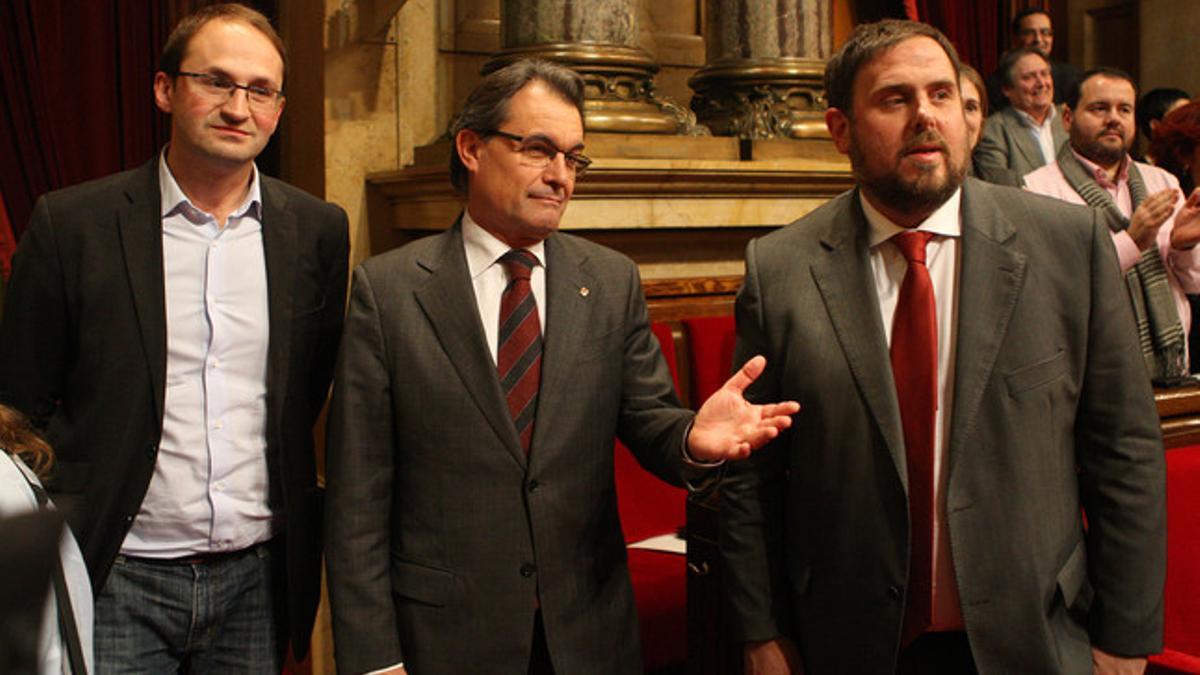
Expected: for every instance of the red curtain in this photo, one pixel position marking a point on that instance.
(76, 79)
(974, 28)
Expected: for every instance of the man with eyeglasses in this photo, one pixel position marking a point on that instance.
(1031, 28)
(172, 330)
(483, 375)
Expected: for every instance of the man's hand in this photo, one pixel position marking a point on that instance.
(1186, 232)
(1104, 663)
(773, 657)
(1150, 215)
(729, 427)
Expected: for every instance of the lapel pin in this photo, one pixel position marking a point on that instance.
(584, 290)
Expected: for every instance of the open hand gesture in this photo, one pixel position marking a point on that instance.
(730, 427)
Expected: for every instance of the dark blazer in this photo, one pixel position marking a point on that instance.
(1052, 412)
(1007, 150)
(442, 534)
(83, 353)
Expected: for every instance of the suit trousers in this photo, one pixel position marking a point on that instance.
(539, 654)
(937, 654)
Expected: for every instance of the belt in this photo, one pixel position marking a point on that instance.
(206, 558)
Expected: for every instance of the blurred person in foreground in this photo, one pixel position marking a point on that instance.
(65, 638)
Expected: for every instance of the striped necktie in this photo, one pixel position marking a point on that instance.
(519, 348)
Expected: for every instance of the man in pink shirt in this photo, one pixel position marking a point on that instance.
(1146, 212)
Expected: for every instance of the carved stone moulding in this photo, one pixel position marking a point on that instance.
(619, 87)
(780, 97)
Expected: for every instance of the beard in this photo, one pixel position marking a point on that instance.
(922, 193)
(1097, 151)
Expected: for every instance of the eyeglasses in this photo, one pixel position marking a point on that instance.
(539, 151)
(221, 89)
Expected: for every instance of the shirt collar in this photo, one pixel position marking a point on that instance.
(1100, 175)
(944, 221)
(175, 201)
(484, 249)
(1029, 121)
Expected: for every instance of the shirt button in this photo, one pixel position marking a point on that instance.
(528, 569)
(219, 487)
(217, 425)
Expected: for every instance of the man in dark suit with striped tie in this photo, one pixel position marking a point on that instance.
(483, 376)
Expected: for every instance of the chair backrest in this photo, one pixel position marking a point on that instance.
(710, 350)
(1182, 615)
(648, 506)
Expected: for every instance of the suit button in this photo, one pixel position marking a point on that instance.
(528, 569)
(895, 593)
(151, 451)
(533, 486)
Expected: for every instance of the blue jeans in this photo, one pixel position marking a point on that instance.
(207, 617)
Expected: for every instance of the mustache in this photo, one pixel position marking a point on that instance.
(928, 137)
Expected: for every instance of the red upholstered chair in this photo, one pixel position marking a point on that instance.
(710, 344)
(648, 508)
(1182, 613)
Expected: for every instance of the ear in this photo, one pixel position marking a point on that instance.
(839, 128)
(1067, 117)
(163, 86)
(469, 145)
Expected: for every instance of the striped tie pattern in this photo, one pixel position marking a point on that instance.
(519, 353)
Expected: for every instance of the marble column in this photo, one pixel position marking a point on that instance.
(765, 66)
(597, 38)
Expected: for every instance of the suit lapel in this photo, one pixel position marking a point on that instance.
(448, 300)
(279, 252)
(843, 277)
(140, 225)
(568, 313)
(991, 274)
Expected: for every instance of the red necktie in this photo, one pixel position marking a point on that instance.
(914, 365)
(519, 351)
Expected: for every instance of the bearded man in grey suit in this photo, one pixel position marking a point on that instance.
(472, 513)
(968, 370)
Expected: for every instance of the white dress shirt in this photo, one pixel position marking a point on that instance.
(489, 279)
(888, 268)
(1043, 133)
(209, 488)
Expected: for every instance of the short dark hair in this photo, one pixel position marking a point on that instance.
(177, 44)
(1076, 89)
(867, 42)
(1153, 105)
(1020, 16)
(486, 107)
(1009, 61)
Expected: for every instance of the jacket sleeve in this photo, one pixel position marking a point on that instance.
(34, 342)
(359, 468)
(752, 495)
(1122, 471)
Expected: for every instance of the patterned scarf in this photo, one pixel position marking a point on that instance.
(1159, 328)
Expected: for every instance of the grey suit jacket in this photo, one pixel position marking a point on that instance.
(83, 352)
(1052, 413)
(443, 534)
(1007, 151)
